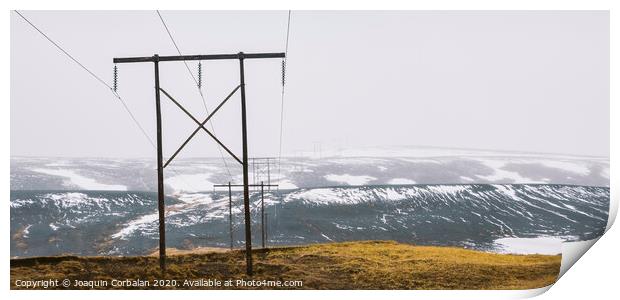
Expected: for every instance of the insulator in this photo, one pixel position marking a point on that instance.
(283, 72)
(199, 74)
(115, 81)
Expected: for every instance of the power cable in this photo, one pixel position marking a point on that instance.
(102, 82)
(288, 27)
(199, 89)
(91, 74)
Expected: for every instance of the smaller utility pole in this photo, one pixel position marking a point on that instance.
(266, 227)
(261, 170)
(262, 186)
(262, 213)
(230, 222)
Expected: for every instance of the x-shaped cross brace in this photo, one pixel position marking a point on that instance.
(201, 125)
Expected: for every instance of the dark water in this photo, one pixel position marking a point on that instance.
(474, 216)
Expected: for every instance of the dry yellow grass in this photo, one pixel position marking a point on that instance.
(352, 265)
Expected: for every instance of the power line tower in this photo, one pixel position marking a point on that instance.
(261, 170)
(263, 225)
(241, 57)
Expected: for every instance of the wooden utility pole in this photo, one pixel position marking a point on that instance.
(246, 180)
(241, 57)
(160, 172)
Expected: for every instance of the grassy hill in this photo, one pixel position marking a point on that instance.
(351, 265)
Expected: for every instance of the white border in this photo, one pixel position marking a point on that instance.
(599, 264)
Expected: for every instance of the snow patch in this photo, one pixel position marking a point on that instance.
(468, 179)
(318, 196)
(421, 160)
(137, 225)
(503, 175)
(401, 181)
(26, 231)
(190, 183)
(539, 245)
(195, 198)
(572, 167)
(326, 237)
(81, 181)
(286, 184)
(349, 179)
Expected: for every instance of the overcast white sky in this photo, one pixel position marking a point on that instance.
(524, 81)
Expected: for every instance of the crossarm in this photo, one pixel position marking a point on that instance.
(121, 60)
